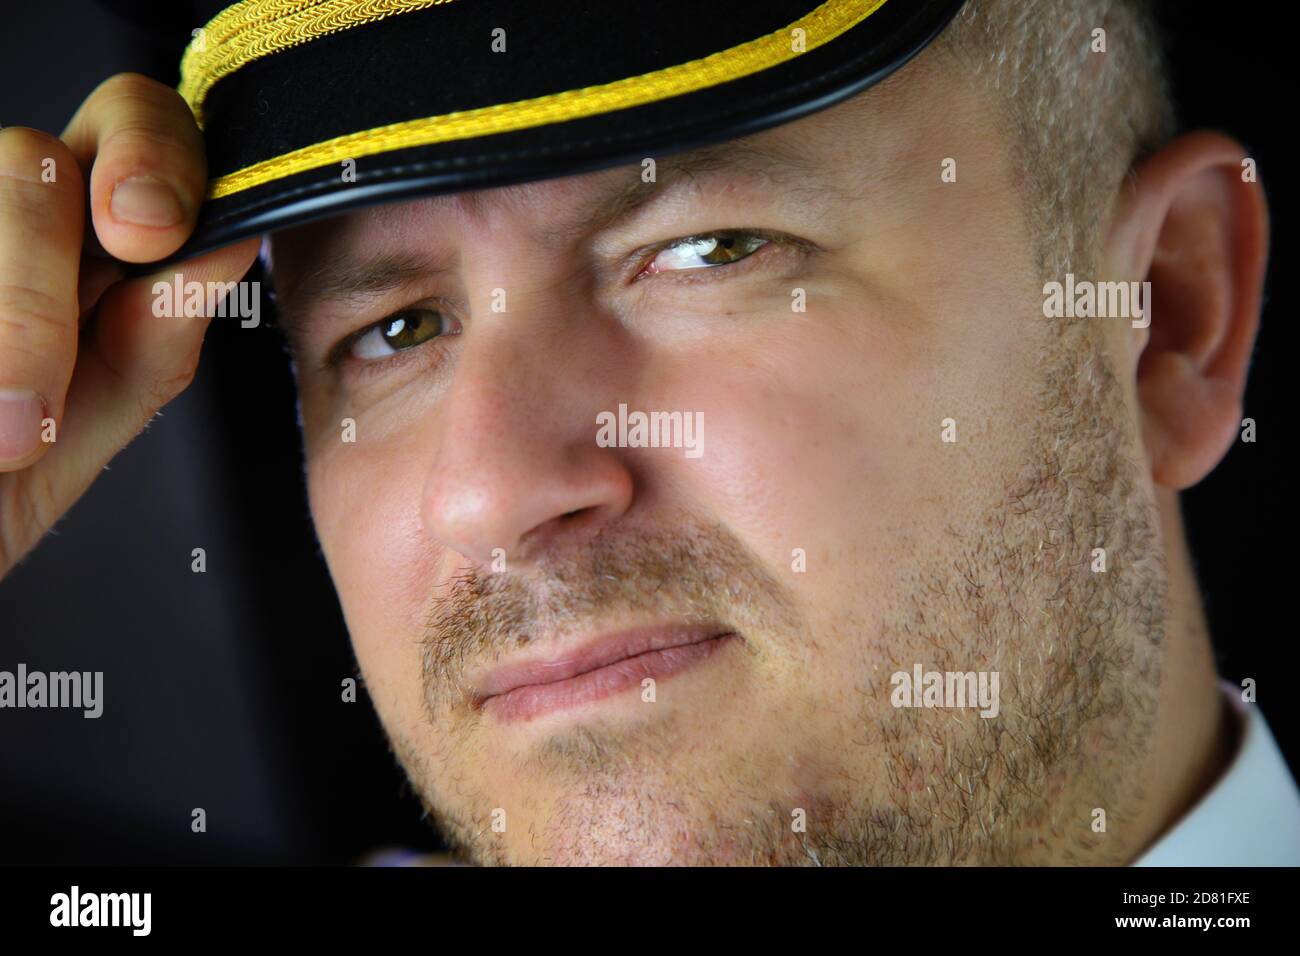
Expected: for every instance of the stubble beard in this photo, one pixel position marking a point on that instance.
(1077, 651)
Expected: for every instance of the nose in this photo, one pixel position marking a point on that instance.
(516, 466)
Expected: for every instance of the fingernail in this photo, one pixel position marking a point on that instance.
(145, 202)
(21, 414)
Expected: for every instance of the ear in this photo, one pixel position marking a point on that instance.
(1188, 222)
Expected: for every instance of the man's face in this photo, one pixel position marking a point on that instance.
(843, 315)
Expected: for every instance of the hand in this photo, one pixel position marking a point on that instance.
(84, 362)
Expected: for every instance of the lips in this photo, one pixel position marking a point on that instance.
(616, 662)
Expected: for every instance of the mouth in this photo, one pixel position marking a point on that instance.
(616, 662)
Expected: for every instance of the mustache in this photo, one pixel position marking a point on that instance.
(694, 574)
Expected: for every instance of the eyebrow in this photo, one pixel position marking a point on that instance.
(340, 278)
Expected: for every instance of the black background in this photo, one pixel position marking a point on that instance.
(224, 688)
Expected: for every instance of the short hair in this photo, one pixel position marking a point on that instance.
(1079, 119)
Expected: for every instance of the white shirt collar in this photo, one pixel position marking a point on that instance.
(1251, 817)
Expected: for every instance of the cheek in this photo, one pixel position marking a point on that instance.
(806, 460)
(774, 459)
(814, 443)
(368, 521)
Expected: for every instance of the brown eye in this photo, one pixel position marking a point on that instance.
(402, 331)
(702, 252)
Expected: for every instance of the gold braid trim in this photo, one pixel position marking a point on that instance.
(824, 23)
(253, 29)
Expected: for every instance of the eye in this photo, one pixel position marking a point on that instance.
(399, 332)
(705, 251)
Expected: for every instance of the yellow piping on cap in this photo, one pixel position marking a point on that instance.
(821, 25)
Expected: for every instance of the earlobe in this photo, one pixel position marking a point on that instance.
(1191, 224)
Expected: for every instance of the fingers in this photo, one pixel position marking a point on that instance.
(135, 142)
(150, 358)
(41, 223)
(148, 169)
(133, 364)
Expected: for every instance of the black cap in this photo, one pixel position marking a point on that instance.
(314, 107)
